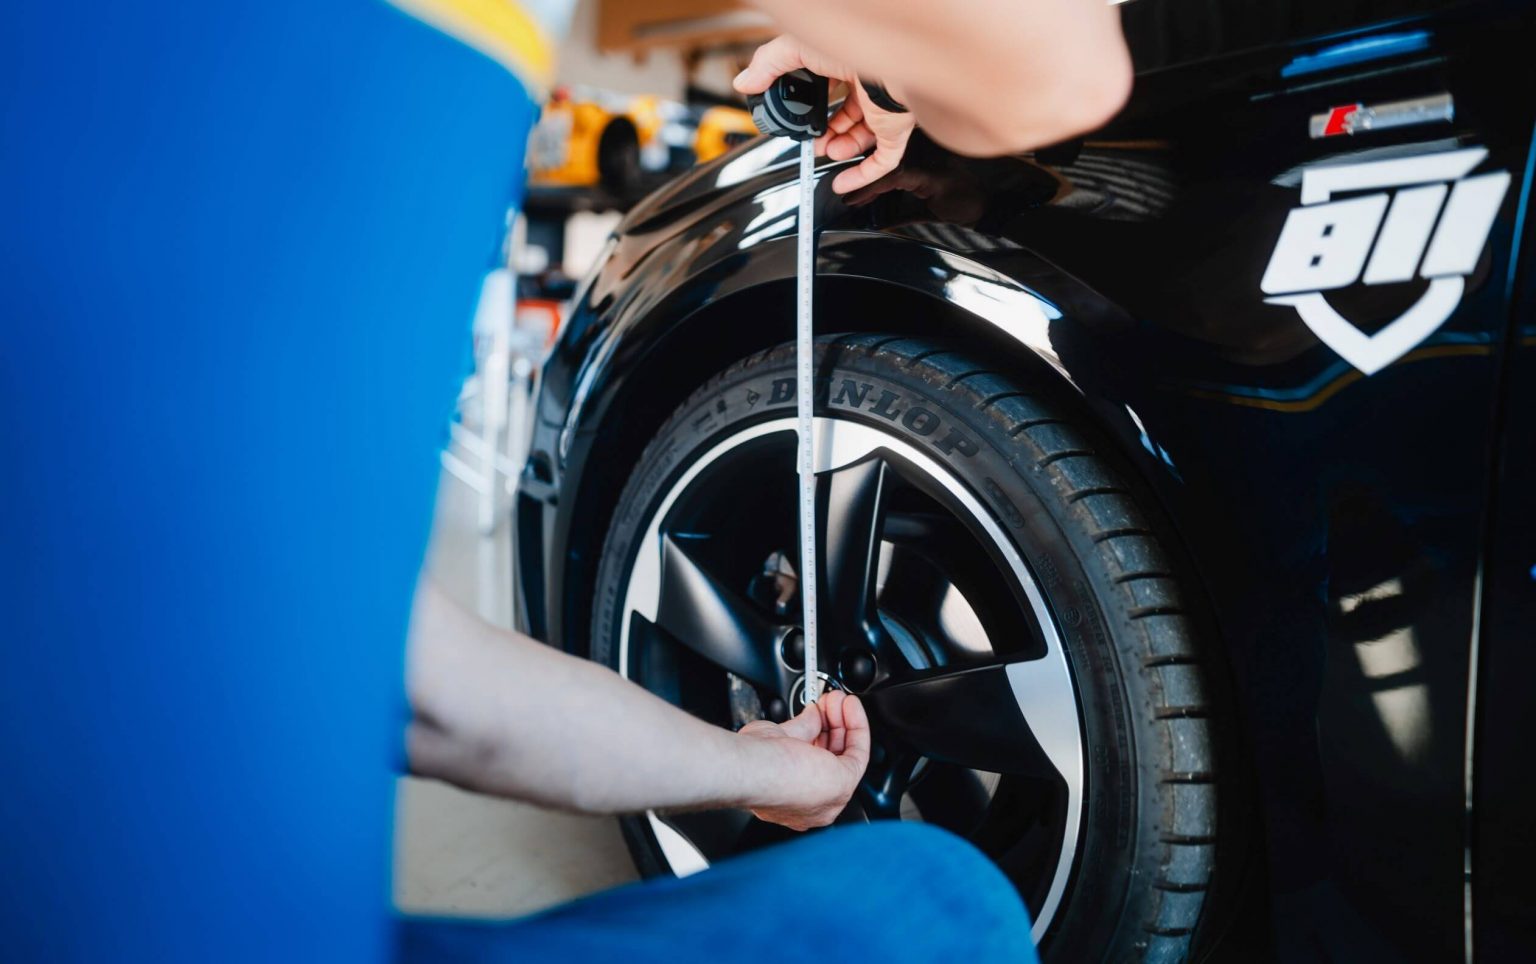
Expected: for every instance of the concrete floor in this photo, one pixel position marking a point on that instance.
(462, 854)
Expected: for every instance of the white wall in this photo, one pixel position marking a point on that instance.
(580, 62)
(657, 72)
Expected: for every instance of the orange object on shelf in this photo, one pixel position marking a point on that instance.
(720, 129)
(539, 315)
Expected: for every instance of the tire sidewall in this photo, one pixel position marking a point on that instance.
(1118, 825)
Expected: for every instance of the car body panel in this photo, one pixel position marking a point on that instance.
(1335, 519)
(1503, 792)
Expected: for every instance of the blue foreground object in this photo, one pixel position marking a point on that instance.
(240, 245)
(897, 893)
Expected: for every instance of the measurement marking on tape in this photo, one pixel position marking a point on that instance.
(805, 271)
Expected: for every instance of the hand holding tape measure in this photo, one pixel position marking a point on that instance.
(870, 124)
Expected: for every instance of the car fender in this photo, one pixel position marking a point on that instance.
(654, 325)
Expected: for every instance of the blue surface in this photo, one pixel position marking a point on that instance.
(1359, 51)
(240, 244)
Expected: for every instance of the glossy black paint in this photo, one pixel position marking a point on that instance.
(1504, 788)
(1340, 525)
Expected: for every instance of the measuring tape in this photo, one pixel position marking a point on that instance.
(805, 363)
(796, 107)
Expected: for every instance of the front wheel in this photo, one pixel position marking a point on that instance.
(991, 589)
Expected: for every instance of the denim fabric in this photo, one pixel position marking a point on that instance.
(891, 893)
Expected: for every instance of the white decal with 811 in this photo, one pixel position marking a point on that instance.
(1390, 237)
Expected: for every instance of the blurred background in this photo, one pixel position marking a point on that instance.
(643, 93)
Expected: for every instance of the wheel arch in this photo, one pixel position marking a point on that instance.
(660, 346)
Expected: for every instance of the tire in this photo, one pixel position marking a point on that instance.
(1145, 852)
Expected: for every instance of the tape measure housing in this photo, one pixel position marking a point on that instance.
(795, 106)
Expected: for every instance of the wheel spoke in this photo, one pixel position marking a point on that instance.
(932, 554)
(951, 797)
(757, 833)
(968, 717)
(853, 814)
(715, 622)
(922, 528)
(885, 782)
(849, 509)
(914, 587)
(716, 833)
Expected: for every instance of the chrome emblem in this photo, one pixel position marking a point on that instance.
(1357, 118)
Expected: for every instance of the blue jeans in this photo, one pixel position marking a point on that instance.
(887, 892)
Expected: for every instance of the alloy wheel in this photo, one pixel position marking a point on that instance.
(927, 611)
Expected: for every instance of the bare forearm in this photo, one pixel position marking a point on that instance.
(983, 76)
(499, 713)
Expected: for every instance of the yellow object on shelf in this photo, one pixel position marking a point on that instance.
(720, 129)
(621, 144)
(562, 150)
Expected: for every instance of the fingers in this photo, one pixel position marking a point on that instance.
(832, 716)
(847, 115)
(776, 57)
(890, 144)
(855, 736)
(870, 170)
(807, 726)
(848, 131)
(781, 55)
(860, 126)
(856, 141)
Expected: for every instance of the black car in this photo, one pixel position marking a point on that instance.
(1175, 485)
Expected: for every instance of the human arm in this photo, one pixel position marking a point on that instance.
(986, 77)
(497, 712)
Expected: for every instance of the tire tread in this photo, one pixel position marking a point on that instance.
(1136, 563)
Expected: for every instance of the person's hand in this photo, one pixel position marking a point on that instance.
(810, 765)
(858, 126)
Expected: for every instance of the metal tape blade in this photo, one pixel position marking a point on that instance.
(805, 271)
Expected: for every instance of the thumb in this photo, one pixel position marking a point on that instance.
(773, 59)
(807, 726)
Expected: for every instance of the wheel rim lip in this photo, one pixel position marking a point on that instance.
(1037, 683)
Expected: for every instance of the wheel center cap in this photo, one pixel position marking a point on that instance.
(797, 692)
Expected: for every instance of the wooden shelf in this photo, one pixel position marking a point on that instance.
(684, 25)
